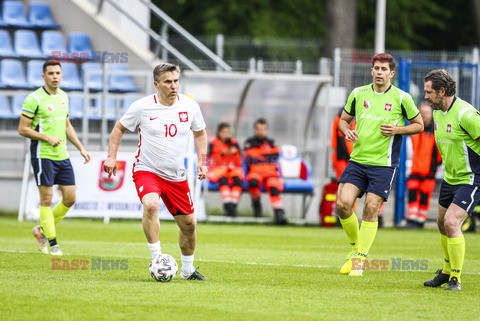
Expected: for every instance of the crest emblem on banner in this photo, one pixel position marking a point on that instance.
(366, 103)
(183, 116)
(115, 181)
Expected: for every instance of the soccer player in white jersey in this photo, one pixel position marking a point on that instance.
(163, 121)
(380, 109)
(457, 135)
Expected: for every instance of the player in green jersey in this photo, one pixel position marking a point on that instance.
(457, 134)
(380, 110)
(45, 121)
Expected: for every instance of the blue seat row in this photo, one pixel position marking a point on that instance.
(39, 15)
(52, 43)
(12, 75)
(14, 110)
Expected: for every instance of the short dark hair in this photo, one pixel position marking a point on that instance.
(222, 126)
(260, 121)
(385, 57)
(159, 70)
(441, 78)
(51, 63)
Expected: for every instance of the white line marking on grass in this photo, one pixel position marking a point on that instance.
(223, 261)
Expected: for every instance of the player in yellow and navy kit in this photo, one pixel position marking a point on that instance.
(45, 121)
(380, 110)
(457, 135)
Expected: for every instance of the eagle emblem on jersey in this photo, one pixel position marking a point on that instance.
(366, 103)
(115, 181)
(449, 128)
(64, 105)
(388, 107)
(183, 116)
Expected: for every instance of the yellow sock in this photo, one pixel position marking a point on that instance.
(446, 258)
(456, 252)
(367, 233)
(59, 212)
(47, 222)
(350, 226)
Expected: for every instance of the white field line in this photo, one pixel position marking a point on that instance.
(222, 261)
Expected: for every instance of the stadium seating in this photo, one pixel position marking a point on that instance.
(26, 44)
(17, 103)
(79, 42)
(12, 74)
(75, 107)
(53, 40)
(127, 102)
(5, 109)
(71, 80)
(13, 14)
(39, 15)
(6, 49)
(34, 73)
(123, 82)
(111, 108)
(95, 81)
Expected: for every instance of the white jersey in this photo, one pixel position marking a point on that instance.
(163, 134)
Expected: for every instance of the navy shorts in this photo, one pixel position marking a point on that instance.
(369, 178)
(49, 172)
(464, 195)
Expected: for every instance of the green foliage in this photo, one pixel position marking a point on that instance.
(255, 272)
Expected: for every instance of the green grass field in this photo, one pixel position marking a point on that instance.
(256, 273)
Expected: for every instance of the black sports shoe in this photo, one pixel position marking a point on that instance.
(194, 276)
(453, 285)
(257, 208)
(280, 217)
(439, 279)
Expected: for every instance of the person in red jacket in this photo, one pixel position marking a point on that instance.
(261, 154)
(224, 159)
(425, 160)
(341, 148)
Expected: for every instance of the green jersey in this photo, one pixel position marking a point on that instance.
(373, 109)
(456, 133)
(49, 114)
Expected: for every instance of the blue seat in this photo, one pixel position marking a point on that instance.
(12, 74)
(111, 108)
(121, 82)
(127, 102)
(5, 109)
(34, 73)
(26, 44)
(6, 49)
(79, 42)
(75, 107)
(94, 81)
(40, 16)
(53, 40)
(13, 14)
(17, 103)
(71, 79)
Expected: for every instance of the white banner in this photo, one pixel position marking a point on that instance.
(99, 196)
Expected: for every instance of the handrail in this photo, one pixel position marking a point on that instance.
(163, 42)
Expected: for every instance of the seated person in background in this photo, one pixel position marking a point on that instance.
(341, 148)
(224, 159)
(261, 155)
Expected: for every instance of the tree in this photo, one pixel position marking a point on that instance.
(341, 27)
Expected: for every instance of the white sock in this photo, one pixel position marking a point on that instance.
(155, 249)
(187, 264)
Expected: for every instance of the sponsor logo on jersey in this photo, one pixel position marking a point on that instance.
(183, 116)
(449, 128)
(153, 118)
(115, 181)
(64, 105)
(50, 107)
(388, 107)
(366, 103)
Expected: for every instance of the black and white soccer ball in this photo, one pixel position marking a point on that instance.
(163, 268)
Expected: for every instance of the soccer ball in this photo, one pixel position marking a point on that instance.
(163, 268)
